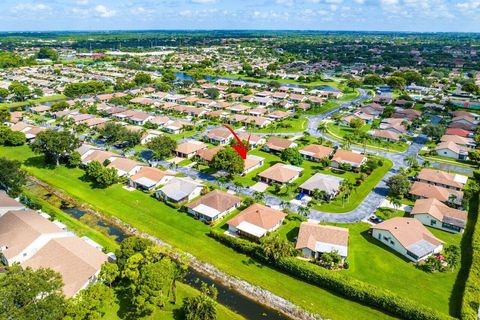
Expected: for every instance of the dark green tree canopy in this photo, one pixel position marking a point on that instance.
(55, 144)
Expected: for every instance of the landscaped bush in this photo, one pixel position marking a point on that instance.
(471, 295)
(336, 282)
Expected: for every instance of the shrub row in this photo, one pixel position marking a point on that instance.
(348, 287)
(471, 295)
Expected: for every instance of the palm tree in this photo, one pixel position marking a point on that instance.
(452, 198)
(258, 196)
(411, 161)
(303, 211)
(396, 204)
(347, 141)
(426, 164)
(322, 127)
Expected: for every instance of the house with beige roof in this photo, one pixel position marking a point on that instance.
(149, 178)
(220, 136)
(8, 204)
(23, 232)
(252, 162)
(78, 262)
(347, 157)
(316, 152)
(444, 179)
(276, 144)
(321, 182)
(280, 173)
(461, 141)
(314, 239)
(435, 214)
(385, 135)
(208, 154)
(256, 221)
(422, 190)
(189, 149)
(97, 155)
(408, 237)
(213, 206)
(452, 150)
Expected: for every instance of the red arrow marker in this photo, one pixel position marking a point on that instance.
(239, 147)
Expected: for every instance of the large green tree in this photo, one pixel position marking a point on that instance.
(55, 144)
(20, 90)
(90, 303)
(228, 160)
(292, 156)
(399, 185)
(162, 146)
(47, 53)
(12, 177)
(203, 306)
(26, 294)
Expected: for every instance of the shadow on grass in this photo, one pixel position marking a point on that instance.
(367, 236)
(455, 302)
(292, 234)
(38, 162)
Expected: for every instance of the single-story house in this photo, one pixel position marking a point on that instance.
(314, 239)
(421, 190)
(251, 163)
(256, 221)
(322, 182)
(386, 135)
(443, 179)
(149, 178)
(208, 154)
(8, 204)
(276, 144)
(125, 166)
(451, 150)
(220, 136)
(316, 152)
(213, 206)
(347, 157)
(408, 237)
(435, 214)
(180, 189)
(189, 149)
(280, 173)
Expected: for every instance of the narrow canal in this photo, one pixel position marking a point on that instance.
(228, 297)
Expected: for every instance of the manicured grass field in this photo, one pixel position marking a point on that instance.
(372, 262)
(339, 132)
(32, 101)
(285, 126)
(158, 219)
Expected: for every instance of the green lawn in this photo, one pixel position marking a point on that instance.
(339, 132)
(327, 106)
(375, 263)
(281, 81)
(151, 216)
(446, 160)
(285, 126)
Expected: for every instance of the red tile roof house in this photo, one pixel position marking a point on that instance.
(149, 178)
(385, 135)
(421, 190)
(280, 173)
(189, 149)
(460, 132)
(276, 144)
(443, 179)
(314, 239)
(213, 206)
(220, 136)
(316, 152)
(208, 154)
(256, 221)
(435, 214)
(347, 157)
(408, 237)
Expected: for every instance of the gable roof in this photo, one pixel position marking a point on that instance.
(322, 238)
(442, 177)
(218, 200)
(430, 191)
(440, 211)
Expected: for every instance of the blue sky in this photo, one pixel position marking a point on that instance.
(401, 15)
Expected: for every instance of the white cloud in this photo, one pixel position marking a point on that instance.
(104, 12)
(82, 2)
(30, 7)
(469, 5)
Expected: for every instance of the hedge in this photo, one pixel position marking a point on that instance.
(346, 286)
(471, 295)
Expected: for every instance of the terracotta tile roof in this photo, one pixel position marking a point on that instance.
(440, 211)
(280, 172)
(190, 147)
(430, 191)
(442, 177)
(151, 173)
(345, 156)
(316, 151)
(218, 200)
(258, 215)
(310, 233)
(208, 154)
(408, 231)
(279, 144)
(73, 258)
